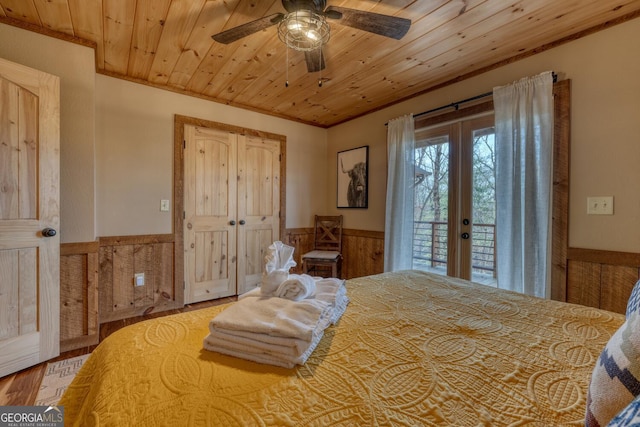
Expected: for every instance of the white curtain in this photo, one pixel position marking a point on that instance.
(398, 242)
(524, 154)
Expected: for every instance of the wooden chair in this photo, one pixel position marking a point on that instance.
(326, 257)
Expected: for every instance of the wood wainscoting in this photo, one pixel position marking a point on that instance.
(96, 284)
(79, 322)
(602, 279)
(96, 278)
(362, 251)
(123, 257)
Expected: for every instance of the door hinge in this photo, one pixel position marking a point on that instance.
(184, 285)
(184, 144)
(184, 215)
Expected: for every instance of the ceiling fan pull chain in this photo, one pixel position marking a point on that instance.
(286, 66)
(320, 66)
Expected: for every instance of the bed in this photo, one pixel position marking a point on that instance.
(412, 349)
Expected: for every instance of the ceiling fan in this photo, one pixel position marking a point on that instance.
(304, 27)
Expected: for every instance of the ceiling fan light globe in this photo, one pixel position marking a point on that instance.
(294, 26)
(304, 30)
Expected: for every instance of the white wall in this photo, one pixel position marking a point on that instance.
(605, 134)
(134, 156)
(75, 65)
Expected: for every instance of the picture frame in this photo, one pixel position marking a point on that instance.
(353, 178)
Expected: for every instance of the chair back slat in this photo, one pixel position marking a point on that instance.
(328, 233)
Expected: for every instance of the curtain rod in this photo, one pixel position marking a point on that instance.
(456, 105)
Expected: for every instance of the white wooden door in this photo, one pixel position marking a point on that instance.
(232, 210)
(258, 206)
(29, 203)
(210, 213)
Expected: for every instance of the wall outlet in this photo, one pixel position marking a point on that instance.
(164, 205)
(600, 205)
(138, 279)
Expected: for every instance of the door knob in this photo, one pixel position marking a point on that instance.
(242, 222)
(465, 236)
(232, 222)
(465, 221)
(48, 232)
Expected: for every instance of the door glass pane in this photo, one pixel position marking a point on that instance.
(431, 211)
(484, 207)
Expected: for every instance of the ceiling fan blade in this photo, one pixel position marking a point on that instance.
(244, 30)
(384, 25)
(315, 60)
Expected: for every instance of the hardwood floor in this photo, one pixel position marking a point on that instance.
(21, 388)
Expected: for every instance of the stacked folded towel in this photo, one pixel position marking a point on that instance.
(282, 321)
(277, 331)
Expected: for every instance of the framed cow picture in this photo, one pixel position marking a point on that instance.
(353, 175)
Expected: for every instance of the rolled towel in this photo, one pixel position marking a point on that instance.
(271, 281)
(297, 287)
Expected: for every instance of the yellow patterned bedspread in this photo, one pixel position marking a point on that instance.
(412, 349)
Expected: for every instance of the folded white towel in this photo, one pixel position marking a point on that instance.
(277, 331)
(342, 300)
(260, 343)
(297, 287)
(255, 292)
(276, 317)
(327, 289)
(232, 349)
(286, 348)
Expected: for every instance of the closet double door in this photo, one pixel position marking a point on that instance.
(231, 210)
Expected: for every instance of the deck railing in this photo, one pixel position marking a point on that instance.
(430, 246)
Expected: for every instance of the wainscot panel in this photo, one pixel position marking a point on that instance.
(121, 258)
(363, 251)
(602, 279)
(79, 323)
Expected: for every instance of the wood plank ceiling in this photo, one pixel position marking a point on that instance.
(167, 44)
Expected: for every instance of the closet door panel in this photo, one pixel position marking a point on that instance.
(258, 205)
(210, 213)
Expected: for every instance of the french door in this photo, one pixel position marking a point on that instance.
(454, 213)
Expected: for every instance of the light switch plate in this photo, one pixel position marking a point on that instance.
(600, 205)
(164, 205)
